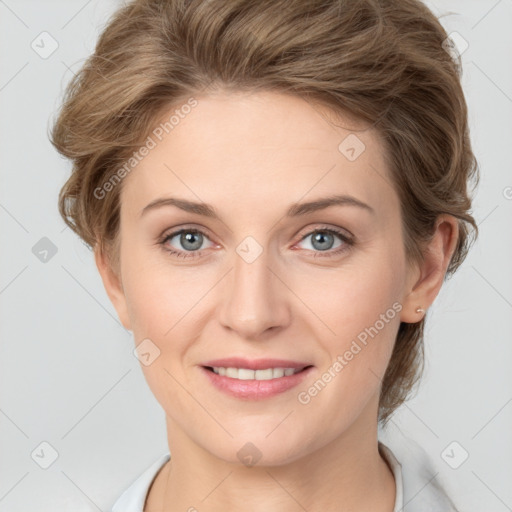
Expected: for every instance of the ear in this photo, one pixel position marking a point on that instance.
(425, 281)
(113, 285)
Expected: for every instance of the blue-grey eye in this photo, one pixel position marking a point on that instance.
(322, 240)
(190, 240)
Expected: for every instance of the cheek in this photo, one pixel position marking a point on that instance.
(354, 296)
(161, 310)
(157, 297)
(357, 360)
(360, 306)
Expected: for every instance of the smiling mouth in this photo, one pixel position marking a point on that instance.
(260, 375)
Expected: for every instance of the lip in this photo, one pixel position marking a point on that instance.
(255, 389)
(255, 364)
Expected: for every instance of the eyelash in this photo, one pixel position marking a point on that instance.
(347, 242)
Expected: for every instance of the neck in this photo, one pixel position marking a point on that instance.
(348, 471)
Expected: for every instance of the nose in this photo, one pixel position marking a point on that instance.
(254, 298)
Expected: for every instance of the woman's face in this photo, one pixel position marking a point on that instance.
(260, 278)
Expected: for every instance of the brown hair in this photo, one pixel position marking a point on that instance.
(380, 61)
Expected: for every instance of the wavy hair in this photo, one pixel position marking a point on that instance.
(383, 62)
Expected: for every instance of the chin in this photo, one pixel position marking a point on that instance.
(254, 449)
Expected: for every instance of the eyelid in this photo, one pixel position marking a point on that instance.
(187, 227)
(325, 227)
(170, 233)
(302, 233)
(344, 235)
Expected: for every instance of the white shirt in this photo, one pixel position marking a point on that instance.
(416, 489)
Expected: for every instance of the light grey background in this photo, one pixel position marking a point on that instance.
(68, 376)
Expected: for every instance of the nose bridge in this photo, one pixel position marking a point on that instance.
(255, 299)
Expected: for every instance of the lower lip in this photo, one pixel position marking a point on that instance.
(255, 389)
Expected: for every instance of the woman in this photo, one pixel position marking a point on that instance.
(217, 147)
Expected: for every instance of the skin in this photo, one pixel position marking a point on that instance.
(251, 156)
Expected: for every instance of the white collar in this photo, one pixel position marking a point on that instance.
(416, 488)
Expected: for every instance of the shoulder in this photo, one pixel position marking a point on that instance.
(134, 497)
(421, 486)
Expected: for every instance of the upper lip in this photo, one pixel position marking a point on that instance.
(254, 364)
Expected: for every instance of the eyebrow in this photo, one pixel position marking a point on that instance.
(295, 210)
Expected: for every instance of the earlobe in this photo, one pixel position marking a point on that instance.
(427, 283)
(113, 286)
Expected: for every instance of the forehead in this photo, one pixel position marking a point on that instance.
(236, 149)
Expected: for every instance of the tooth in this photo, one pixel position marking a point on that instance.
(263, 374)
(232, 372)
(278, 372)
(245, 374)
